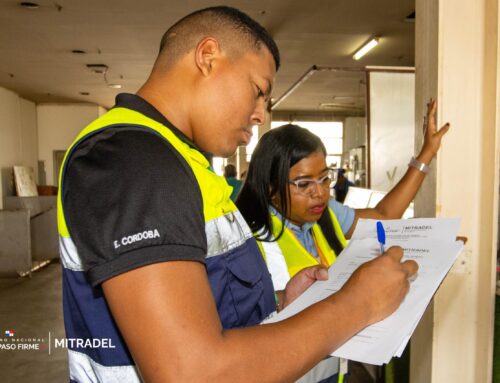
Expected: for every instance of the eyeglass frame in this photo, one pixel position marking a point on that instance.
(331, 175)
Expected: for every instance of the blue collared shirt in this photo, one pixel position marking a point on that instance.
(344, 214)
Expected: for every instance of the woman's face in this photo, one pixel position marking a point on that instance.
(308, 199)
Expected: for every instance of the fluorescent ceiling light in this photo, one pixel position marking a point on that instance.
(365, 48)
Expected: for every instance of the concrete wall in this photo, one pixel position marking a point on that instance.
(354, 133)
(392, 125)
(30, 132)
(58, 126)
(18, 133)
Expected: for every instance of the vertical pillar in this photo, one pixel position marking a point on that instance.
(457, 60)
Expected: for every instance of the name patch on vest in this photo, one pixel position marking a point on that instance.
(141, 236)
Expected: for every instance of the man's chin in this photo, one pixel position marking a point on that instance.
(225, 153)
(227, 150)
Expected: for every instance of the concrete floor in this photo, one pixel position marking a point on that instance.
(31, 307)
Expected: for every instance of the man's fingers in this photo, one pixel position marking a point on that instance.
(394, 252)
(410, 267)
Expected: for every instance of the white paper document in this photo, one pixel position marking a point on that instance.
(445, 229)
(430, 242)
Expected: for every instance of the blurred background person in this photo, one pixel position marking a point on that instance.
(230, 175)
(341, 187)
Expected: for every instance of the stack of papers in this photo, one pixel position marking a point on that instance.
(430, 242)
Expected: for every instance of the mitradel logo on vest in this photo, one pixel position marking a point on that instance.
(137, 237)
(14, 341)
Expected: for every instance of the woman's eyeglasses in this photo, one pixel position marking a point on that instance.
(307, 186)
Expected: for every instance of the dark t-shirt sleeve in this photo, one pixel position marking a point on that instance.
(131, 200)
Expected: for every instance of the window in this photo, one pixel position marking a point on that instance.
(253, 143)
(331, 133)
(218, 164)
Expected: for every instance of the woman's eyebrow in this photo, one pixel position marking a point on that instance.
(308, 176)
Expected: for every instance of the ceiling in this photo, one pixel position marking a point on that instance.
(37, 62)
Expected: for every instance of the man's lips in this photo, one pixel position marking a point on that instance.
(248, 135)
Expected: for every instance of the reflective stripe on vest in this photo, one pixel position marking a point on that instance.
(238, 276)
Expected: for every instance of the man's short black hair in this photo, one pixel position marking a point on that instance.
(216, 21)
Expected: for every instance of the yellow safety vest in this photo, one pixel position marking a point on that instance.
(214, 189)
(238, 276)
(295, 254)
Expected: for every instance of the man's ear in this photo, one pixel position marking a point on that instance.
(206, 53)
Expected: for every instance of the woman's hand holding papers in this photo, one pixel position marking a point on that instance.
(380, 285)
(300, 283)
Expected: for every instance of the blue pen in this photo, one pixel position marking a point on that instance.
(381, 236)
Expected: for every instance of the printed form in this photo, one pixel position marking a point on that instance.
(430, 242)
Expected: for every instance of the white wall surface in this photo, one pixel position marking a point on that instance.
(392, 125)
(29, 135)
(18, 133)
(58, 126)
(354, 133)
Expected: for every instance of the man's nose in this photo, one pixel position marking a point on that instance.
(259, 114)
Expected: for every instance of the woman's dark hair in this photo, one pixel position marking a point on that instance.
(277, 151)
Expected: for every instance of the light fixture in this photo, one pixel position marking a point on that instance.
(339, 105)
(366, 48)
(103, 69)
(98, 68)
(29, 5)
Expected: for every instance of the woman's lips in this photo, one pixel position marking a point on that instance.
(318, 209)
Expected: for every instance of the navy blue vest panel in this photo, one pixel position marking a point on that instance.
(87, 316)
(241, 285)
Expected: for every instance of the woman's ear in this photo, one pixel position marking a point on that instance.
(276, 200)
(207, 51)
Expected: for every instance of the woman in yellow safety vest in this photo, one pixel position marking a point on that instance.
(286, 201)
